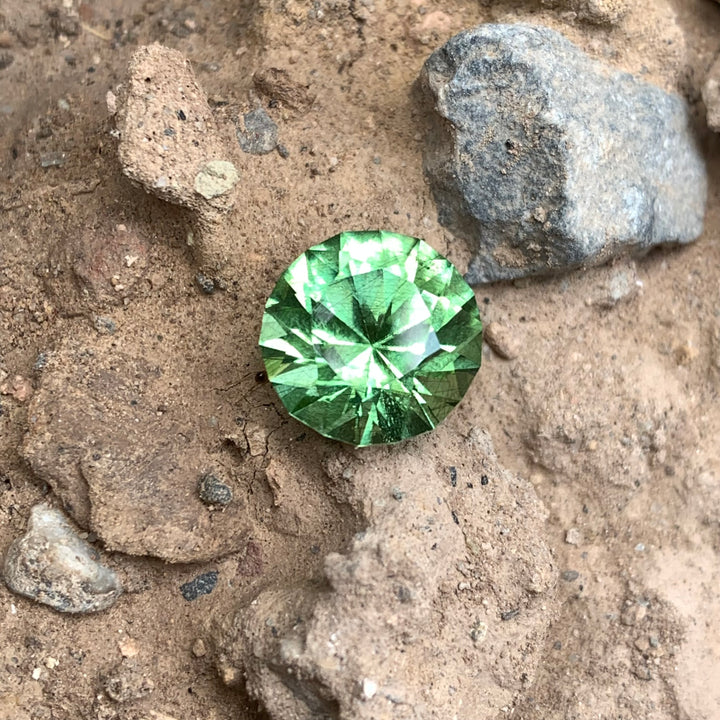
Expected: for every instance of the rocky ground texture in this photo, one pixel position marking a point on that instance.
(550, 551)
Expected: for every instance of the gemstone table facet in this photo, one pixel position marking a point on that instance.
(371, 337)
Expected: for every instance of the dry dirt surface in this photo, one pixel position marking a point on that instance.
(573, 498)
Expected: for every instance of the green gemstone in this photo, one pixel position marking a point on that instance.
(371, 337)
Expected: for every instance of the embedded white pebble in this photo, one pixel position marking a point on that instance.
(52, 564)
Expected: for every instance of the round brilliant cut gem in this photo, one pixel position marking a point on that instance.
(371, 337)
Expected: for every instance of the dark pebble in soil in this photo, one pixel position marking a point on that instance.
(261, 133)
(201, 585)
(207, 285)
(213, 491)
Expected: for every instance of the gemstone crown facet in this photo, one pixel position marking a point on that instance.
(371, 337)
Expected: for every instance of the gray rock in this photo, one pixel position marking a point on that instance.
(546, 159)
(261, 133)
(201, 585)
(213, 491)
(53, 565)
(206, 284)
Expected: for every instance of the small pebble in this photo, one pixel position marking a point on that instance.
(260, 135)
(129, 647)
(686, 353)
(502, 341)
(212, 491)
(53, 159)
(573, 537)
(633, 614)
(206, 284)
(51, 663)
(570, 575)
(369, 689)
(53, 565)
(199, 649)
(105, 325)
(127, 682)
(41, 361)
(201, 585)
(479, 630)
(615, 285)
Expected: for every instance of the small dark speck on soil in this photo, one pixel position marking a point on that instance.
(453, 476)
(455, 518)
(570, 575)
(181, 115)
(261, 377)
(510, 614)
(201, 585)
(470, 486)
(283, 152)
(484, 479)
(398, 494)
